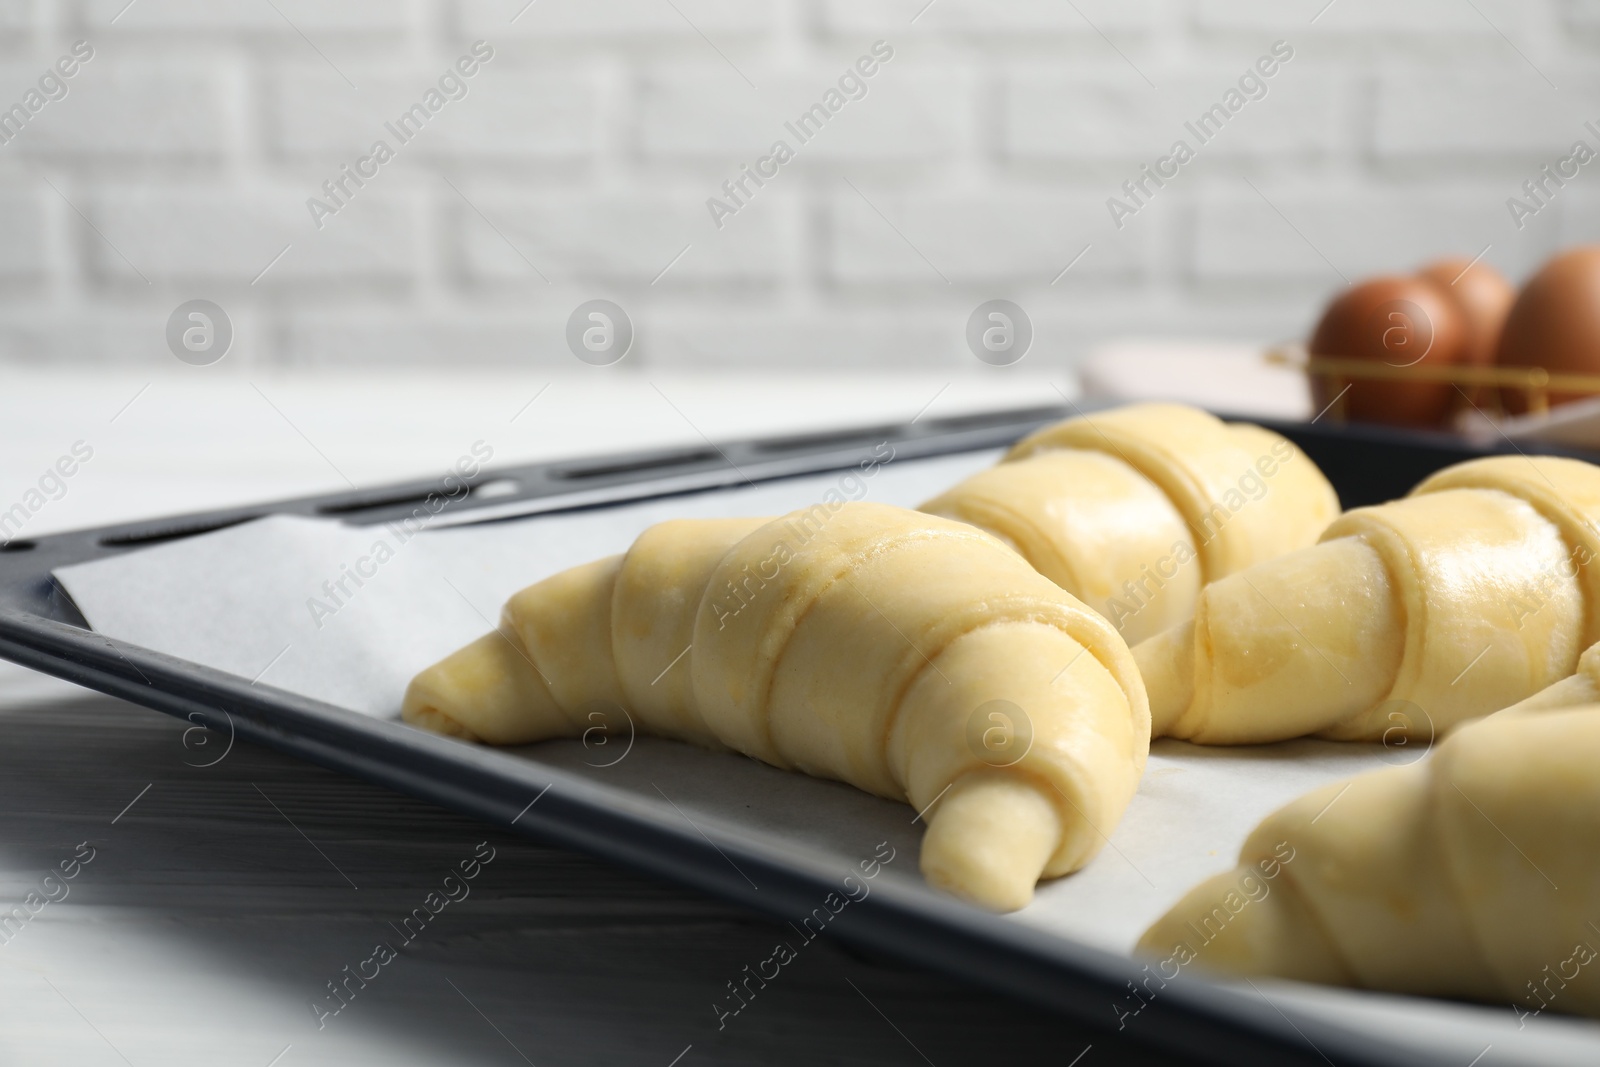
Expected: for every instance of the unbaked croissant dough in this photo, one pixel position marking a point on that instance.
(1469, 874)
(1134, 510)
(860, 642)
(1408, 618)
(1581, 687)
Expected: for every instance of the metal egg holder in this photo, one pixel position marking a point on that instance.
(1536, 383)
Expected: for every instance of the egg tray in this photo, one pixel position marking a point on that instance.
(40, 628)
(1533, 384)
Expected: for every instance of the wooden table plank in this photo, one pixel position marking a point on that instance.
(208, 921)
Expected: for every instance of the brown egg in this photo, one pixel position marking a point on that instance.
(1555, 322)
(1402, 322)
(1484, 296)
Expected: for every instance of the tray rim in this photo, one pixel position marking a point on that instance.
(39, 628)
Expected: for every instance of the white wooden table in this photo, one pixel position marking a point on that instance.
(222, 899)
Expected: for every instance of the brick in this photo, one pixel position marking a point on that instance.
(893, 17)
(624, 239)
(93, 334)
(399, 337)
(120, 111)
(1379, 17)
(1487, 113)
(925, 336)
(506, 115)
(734, 337)
(906, 114)
(203, 236)
(611, 20)
(1002, 237)
(1241, 237)
(1074, 117)
(16, 16)
(248, 16)
(1261, 317)
(22, 253)
(1582, 15)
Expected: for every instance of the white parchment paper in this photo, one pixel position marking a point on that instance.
(319, 608)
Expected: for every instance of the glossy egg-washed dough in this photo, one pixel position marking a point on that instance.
(1134, 510)
(857, 645)
(1469, 874)
(1468, 595)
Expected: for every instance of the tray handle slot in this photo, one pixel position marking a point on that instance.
(836, 439)
(488, 489)
(629, 466)
(152, 535)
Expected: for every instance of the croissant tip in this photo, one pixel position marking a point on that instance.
(977, 888)
(1236, 925)
(990, 839)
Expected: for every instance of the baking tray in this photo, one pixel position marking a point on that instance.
(40, 628)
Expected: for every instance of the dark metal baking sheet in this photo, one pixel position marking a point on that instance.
(40, 628)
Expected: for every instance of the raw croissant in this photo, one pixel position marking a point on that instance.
(1581, 687)
(1408, 618)
(910, 656)
(1436, 878)
(1114, 507)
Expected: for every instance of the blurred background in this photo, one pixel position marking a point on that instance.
(578, 164)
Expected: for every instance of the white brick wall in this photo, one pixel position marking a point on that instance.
(249, 17)
(1087, 118)
(120, 112)
(1021, 240)
(615, 239)
(1355, 233)
(1024, 17)
(978, 165)
(16, 16)
(197, 236)
(23, 249)
(521, 118)
(603, 23)
(1496, 117)
(907, 116)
